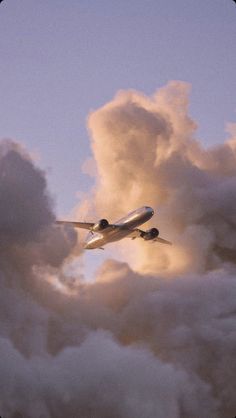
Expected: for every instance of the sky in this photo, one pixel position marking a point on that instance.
(61, 60)
(142, 91)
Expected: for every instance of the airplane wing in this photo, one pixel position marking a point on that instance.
(138, 233)
(162, 241)
(83, 225)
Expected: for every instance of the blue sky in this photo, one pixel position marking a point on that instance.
(59, 60)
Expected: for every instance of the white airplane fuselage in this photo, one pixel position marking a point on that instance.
(120, 229)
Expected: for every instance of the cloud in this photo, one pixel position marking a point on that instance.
(134, 342)
(100, 379)
(127, 345)
(146, 154)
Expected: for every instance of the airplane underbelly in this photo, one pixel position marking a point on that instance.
(116, 235)
(99, 240)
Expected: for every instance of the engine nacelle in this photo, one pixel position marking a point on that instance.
(150, 234)
(102, 224)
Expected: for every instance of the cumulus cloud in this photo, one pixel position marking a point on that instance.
(146, 154)
(126, 345)
(132, 343)
(101, 379)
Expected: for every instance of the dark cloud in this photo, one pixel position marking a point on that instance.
(24, 205)
(28, 236)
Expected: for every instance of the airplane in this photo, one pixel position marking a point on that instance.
(102, 232)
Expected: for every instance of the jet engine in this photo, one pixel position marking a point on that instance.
(102, 224)
(150, 234)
